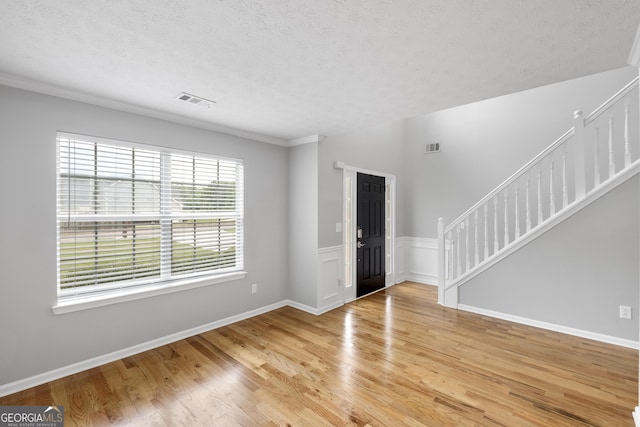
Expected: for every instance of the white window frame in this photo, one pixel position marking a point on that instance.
(69, 300)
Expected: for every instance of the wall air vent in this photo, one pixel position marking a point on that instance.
(195, 100)
(433, 148)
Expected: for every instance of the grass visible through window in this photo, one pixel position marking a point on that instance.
(128, 259)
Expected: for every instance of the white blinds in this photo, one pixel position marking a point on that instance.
(130, 215)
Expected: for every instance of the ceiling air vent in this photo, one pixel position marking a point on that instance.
(195, 100)
(433, 148)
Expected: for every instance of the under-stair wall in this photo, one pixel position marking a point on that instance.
(574, 277)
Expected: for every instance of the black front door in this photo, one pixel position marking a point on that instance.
(370, 234)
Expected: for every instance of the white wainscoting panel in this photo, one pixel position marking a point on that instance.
(330, 281)
(401, 272)
(419, 259)
(416, 259)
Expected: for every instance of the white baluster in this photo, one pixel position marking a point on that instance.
(578, 155)
(475, 231)
(627, 149)
(486, 232)
(449, 256)
(612, 164)
(552, 202)
(596, 160)
(442, 262)
(528, 210)
(540, 218)
(517, 213)
(565, 195)
(466, 245)
(506, 217)
(496, 247)
(458, 250)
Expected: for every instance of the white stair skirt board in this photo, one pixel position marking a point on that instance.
(552, 327)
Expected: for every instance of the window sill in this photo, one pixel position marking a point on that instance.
(86, 302)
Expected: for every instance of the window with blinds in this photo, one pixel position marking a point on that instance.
(133, 215)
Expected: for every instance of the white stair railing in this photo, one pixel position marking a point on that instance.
(589, 156)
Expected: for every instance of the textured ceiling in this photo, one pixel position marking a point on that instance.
(288, 69)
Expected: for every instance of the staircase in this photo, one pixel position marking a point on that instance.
(596, 155)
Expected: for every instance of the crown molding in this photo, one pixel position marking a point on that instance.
(20, 82)
(634, 56)
(305, 140)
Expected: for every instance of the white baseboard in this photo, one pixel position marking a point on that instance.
(425, 279)
(74, 368)
(426, 283)
(400, 278)
(302, 307)
(311, 310)
(552, 327)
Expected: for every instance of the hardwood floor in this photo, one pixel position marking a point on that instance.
(391, 359)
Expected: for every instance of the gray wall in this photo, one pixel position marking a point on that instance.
(486, 142)
(576, 275)
(33, 339)
(303, 220)
(380, 149)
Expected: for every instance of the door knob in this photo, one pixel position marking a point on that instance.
(360, 244)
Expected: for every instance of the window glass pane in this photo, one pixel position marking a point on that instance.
(75, 195)
(93, 253)
(203, 244)
(130, 215)
(203, 184)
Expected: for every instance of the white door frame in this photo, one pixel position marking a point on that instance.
(350, 219)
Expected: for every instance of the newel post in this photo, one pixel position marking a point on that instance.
(441, 261)
(578, 150)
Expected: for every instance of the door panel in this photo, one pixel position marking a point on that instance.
(371, 245)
